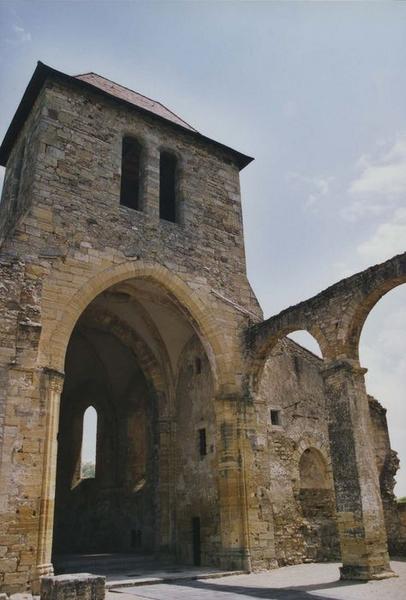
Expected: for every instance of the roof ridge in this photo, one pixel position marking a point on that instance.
(135, 92)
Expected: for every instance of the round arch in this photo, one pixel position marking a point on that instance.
(317, 445)
(362, 310)
(55, 338)
(263, 347)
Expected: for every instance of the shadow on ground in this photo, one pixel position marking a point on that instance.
(302, 592)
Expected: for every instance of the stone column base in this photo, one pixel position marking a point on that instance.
(78, 586)
(46, 570)
(365, 573)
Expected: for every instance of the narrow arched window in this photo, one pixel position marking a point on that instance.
(167, 187)
(89, 444)
(131, 174)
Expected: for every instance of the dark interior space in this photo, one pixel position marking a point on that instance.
(113, 509)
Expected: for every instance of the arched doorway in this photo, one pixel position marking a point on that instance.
(135, 357)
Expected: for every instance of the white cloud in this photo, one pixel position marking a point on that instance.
(21, 34)
(315, 188)
(381, 180)
(389, 239)
(18, 36)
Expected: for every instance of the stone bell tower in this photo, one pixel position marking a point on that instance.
(123, 288)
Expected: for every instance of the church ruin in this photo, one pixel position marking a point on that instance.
(123, 292)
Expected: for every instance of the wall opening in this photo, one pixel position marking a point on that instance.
(89, 444)
(137, 501)
(305, 339)
(107, 465)
(167, 187)
(276, 417)
(130, 191)
(202, 443)
(317, 503)
(196, 541)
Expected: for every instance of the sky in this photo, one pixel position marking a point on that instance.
(315, 91)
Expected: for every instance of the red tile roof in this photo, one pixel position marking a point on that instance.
(119, 91)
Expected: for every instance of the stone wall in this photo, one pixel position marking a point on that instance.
(402, 528)
(388, 464)
(77, 164)
(69, 240)
(299, 522)
(196, 468)
(291, 522)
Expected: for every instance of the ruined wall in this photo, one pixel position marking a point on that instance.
(196, 480)
(297, 521)
(388, 463)
(402, 528)
(293, 515)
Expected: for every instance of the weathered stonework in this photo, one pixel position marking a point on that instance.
(81, 586)
(301, 511)
(219, 440)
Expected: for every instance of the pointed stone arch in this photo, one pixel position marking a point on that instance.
(201, 314)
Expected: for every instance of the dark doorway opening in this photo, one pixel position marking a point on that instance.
(197, 558)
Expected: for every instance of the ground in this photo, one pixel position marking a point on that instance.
(298, 582)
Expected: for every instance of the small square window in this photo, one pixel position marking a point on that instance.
(276, 417)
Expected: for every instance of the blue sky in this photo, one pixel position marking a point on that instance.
(316, 91)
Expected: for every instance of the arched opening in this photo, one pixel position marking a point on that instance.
(88, 454)
(316, 499)
(382, 350)
(127, 362)
(273, 334)
(131, 174)
(306, 340)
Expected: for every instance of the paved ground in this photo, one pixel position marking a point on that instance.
(299, 582)
(126, 569)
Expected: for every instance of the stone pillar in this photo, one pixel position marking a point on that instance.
(150, 182)
(360, 517)
(232, 500)
(52, 384)
(164, 539)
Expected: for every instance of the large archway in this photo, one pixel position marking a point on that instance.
(136, 358)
